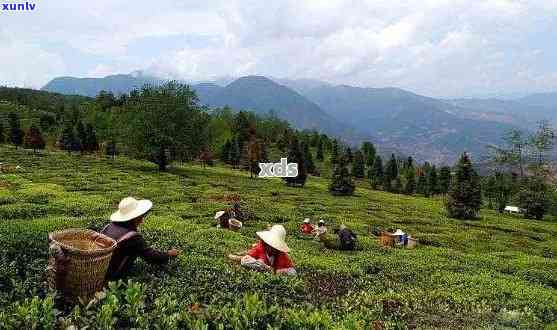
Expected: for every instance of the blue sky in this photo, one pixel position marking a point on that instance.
(443, 48)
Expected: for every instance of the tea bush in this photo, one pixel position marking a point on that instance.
(496, 272)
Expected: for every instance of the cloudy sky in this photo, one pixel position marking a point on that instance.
(434, 47)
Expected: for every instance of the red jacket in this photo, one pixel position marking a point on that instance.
(281, 261)
(307, 228)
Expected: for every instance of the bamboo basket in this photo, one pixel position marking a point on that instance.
(387, 239)
(82, 269)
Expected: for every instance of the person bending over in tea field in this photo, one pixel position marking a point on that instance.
(306, 228)
(320, 230)
(123, 228)
(269, 254)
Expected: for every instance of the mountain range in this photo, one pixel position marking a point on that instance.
(436, 130)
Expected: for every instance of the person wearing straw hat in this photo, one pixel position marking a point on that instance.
(123, 228)
(269, 254)
(307, 228)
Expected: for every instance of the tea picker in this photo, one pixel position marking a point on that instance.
(307, 228)
(269, 254)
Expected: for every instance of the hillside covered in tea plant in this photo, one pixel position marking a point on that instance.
(494, 272)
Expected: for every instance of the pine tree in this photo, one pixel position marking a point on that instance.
(349, 156)
(320, 156)
(225, 152)
(421, 186)
(2, 138)
(375, 173)
(81, 136)
(410, 175)
(391, 172)
(235, 153)
(369, 153)
(34, 139)
(244, 158)
(444, 179)
(76, 142)
(397, 187)
(310, 166)
(91, 144)
(66, 140)
(465, 197)
(295, 155)
(409, 163)
(433, 183)
(16, 133)
(358, 166)
(254, 155)
(264, 153)
(341, 181)
(533, 197)
(334, 152)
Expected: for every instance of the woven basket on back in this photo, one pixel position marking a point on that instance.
(387, 239)
(86, 256)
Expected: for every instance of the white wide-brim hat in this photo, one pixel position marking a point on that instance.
(306, 220)
(275, 237)
(131, 208)
(322, 221)
(398, 232)
(219, 214)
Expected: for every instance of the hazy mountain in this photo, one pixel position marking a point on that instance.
(546, 100)
(120, 83)
(262, 95)
(416, 125)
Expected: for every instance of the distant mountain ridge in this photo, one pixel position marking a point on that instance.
(428, 128)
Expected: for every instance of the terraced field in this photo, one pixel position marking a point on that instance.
(497, 272)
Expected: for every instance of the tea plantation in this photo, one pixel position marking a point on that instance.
(496, 272)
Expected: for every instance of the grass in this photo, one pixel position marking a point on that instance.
(496, 272)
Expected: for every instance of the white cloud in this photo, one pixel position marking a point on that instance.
(436, 47)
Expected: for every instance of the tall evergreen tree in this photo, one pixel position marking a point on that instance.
(16, 133)
(225, 152)
(533, 197)
(444, 179)
(375, 173)
(254, 155)
(264, 153)
(341, 183)
(334, 152)
(422, 186)
(391, 172)
(296, 155)
(2, 137)
(433, 182)
(320, 155)
(409, 163)
(465, 197)
(410, 176)
(67, 137)
(91, 142)
(310, 166)
(81, 136)
(235, 153)
(369, 153)
(34, 139)
(358, 166)
(397, 187)
(349, 156)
